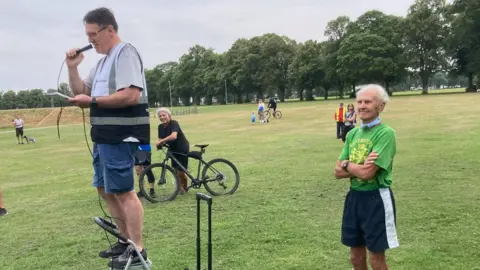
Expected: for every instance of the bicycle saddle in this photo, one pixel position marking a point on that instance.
(202, 145)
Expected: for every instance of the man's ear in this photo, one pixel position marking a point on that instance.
(381, 107)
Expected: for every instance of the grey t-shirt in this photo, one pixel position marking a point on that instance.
(348, 115)
(129, 71)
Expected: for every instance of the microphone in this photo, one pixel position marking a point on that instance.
(86, 48)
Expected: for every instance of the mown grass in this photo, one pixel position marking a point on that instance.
(287, 211)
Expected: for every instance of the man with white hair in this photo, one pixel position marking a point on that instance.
(369, 216)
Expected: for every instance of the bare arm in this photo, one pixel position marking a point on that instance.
(123, 98)
(170, 137)
(76, 83)
(362, 171)
(339, 172)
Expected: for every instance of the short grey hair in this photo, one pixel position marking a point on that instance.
(165, 110)
(382, 94)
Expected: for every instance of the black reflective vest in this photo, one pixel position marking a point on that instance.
(114, 125)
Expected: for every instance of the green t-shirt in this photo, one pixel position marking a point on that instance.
(360, 142)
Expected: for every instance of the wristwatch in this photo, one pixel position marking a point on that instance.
(94, 100)
(345, 165)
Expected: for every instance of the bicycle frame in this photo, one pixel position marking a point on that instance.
(195, 180)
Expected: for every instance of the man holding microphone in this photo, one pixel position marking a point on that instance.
(115, 91)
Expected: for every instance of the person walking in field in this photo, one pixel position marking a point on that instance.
(18, 124)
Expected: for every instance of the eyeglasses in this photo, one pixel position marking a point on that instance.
(93, 35)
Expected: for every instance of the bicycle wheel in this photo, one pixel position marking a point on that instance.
(220, 177)
(267, 115)
(164, 181)
(277, 114)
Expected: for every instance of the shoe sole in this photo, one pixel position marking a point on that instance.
(134, 266)
(110, 257)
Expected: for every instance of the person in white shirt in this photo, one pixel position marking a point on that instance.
(18, 123)
(261, 111)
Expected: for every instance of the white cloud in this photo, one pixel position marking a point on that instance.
(34, 35)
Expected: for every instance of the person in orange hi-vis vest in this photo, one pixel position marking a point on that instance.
(340, 119)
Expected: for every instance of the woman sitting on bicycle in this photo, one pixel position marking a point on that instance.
(169, 132)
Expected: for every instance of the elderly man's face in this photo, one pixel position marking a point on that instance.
(164, 117)
(368, 105)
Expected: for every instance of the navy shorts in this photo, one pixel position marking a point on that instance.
(369, 219)
(113, 166)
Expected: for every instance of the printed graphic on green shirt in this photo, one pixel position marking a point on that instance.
(360, 143)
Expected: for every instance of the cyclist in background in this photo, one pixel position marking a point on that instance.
(272, 104)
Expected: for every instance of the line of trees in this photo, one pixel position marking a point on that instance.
(435, 45)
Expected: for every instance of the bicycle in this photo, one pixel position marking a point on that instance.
(277, 114)
(218, 179)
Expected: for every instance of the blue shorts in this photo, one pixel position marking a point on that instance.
(369, 219)
(113, 166)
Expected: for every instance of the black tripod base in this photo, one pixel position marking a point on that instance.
(113, 230)
(208, 199)
(110, 227)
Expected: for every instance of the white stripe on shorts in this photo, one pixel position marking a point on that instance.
(389, 218)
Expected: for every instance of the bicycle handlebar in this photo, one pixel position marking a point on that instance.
(159, 147)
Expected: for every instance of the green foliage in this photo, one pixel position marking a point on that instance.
(401, 53)
(365, 58)
(464, 38)
(309, 66)
(425, 35)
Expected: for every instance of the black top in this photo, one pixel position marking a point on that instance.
(181, 144)
(272, 103)
(112, 134)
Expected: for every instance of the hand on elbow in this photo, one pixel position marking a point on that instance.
(340, 173)
(366, 175)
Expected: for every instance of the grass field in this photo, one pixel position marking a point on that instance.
(287, 211)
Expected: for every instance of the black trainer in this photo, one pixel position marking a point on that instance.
(152, 193)
(116, 250)
(3, 212)
(122, 260)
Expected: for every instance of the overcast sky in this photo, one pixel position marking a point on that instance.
(34, 34)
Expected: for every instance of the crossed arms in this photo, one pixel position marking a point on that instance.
(365, 171)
